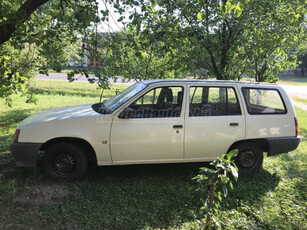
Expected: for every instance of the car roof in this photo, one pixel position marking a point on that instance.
(246, 83)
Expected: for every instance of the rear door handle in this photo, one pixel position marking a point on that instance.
(234, 124)
(177, 126)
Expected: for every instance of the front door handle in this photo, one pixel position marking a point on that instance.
(177, 126)
(234, 124)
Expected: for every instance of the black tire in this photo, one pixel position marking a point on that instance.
(67, 161)
(249, 158)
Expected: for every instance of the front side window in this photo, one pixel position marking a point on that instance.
(158, 102)
(213, 101)
(263, 101)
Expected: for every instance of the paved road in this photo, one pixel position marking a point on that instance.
(296, 90)
(292, 90)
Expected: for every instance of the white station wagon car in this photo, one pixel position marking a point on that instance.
(162, 121)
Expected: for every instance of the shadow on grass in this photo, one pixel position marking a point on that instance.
(296, 170)
(10, 120)
(128, 197)
(14, 116)
(140, 196)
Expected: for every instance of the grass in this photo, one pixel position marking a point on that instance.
(293, 80)
(304, 100)
(142, 196)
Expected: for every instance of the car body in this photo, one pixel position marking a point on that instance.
(162, 121)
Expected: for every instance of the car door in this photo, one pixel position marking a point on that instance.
(214, 121)
(151, 128)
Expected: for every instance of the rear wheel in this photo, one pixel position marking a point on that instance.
(249, 158)
(65, 161)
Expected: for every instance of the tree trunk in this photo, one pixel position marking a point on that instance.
(211, 198)
(8, 27)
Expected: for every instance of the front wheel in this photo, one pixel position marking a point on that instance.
(249, 158)
(65, 161)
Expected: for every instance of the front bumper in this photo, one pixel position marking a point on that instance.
(25, 154)
(282, 145)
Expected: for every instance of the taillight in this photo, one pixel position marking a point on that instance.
(16, 136)
(296, 126)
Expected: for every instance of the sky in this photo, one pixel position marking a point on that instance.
(113, 24)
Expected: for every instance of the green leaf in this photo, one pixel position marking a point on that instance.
(234, 172)
(231, 154)
(91, 80)
(200, 16)
(153, 4)
(225, 191)
(238, 11)
(143, 55)
(230, 6)
(223, 8)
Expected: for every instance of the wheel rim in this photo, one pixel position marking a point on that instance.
(247, 158)
(64, 163)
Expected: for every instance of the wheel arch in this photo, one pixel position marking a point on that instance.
(262, 143)
(88, 147)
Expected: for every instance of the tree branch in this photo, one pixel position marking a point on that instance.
(8, 27)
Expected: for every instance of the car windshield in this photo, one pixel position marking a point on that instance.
(114, 102)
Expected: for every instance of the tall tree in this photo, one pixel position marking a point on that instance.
(228, 37)
(274, 37)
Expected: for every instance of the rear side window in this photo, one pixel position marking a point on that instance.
(263, 101)
(213, 101)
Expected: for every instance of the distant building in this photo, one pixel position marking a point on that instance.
(91, 60)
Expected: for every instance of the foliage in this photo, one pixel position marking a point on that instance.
(60, 54)
(302, 59)
(272, 40)
(213, 183)
(161, 39)
(37, 35)
(62, 31)
(142, 196)
(227, 38)
(189, 26)
(13, 15)
(16, 67)
(131, 56)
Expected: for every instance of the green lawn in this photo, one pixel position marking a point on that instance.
(299, 99)
(144, 196)
(293, 80)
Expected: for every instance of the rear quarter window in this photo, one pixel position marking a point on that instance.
(263, 101)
